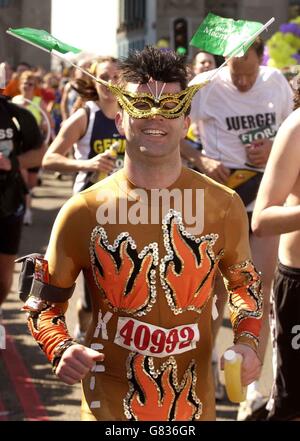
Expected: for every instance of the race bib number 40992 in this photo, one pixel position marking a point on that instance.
(154, 341)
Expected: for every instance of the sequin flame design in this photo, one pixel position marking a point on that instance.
(245, 299)
(125, 277)
(157, 395)
(187, 271)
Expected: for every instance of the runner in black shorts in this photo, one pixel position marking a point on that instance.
(20, 146)
(284, 402)
(10, 232)
(277, 211)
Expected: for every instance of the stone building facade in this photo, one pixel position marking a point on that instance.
(151, 21)
(140, 22)
(23, 13)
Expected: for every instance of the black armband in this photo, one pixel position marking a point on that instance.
(41, 291)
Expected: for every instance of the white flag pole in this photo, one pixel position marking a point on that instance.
(58, 55)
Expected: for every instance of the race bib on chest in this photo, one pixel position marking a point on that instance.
(154, 341)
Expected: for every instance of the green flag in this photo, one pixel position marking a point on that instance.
(225, 36)
(42, 39)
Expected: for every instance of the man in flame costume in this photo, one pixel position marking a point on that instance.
(148, 349)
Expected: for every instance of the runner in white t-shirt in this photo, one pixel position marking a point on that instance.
(225, 115)
(237, 116)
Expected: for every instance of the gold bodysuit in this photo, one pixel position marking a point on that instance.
(152, 294)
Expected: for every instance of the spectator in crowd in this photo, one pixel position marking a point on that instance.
(20, 147)
(12, 88)
(35, 104)
(71, 100)
(52, 86)
(202, 62)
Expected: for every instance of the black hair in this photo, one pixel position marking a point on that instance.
(85, 88)
(158, 64)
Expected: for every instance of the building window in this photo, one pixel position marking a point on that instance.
(136, 45)
(5, 3)
(225, 8)
(294, 9)
(123, 49)
(132, 14)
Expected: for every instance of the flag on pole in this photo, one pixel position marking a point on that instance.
(225, 36)
(43, 40)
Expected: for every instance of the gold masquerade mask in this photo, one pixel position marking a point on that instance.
(147, 105)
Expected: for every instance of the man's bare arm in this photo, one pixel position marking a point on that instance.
(71, 131)
(282, 171)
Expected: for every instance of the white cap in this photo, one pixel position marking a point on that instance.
(230, 355)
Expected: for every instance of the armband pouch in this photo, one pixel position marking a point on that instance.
(34, 288)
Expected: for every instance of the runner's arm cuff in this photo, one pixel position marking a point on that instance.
(248, 340)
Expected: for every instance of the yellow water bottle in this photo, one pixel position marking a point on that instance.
(232, 372)
(113, 152)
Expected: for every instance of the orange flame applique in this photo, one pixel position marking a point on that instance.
(126, 277)
(187, 271)
(156, 394)
(48, 327)
(245, 298)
